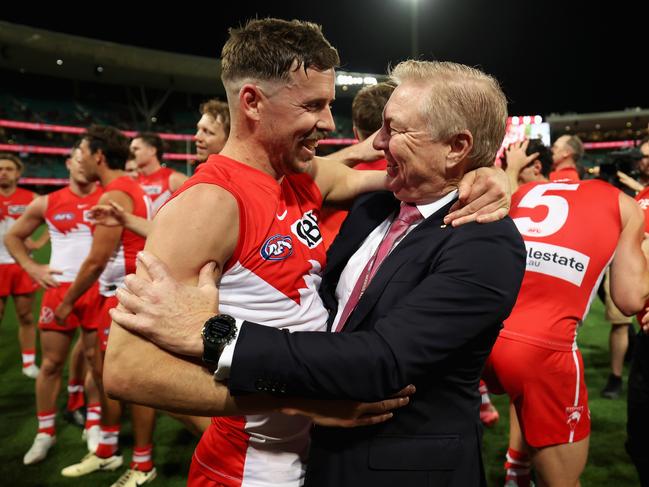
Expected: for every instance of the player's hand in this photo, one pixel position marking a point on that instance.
(517, 157)
(164, 311)
(484, 196)
(349, 414)
(111, 215)
(61, 312)
(43, 275)
(629, 182)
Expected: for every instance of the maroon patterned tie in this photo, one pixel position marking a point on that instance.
(408, 214)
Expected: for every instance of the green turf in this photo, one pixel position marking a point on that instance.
(608, 463)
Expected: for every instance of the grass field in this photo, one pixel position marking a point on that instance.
(608, 463)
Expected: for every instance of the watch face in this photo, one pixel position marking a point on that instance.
(217, 329)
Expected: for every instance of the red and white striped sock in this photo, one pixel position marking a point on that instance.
(29, 357)
(142, 458)
(93, 415)
(517, 466)
(76, 398)
(47, 422)
(484, 392)
(108, 441)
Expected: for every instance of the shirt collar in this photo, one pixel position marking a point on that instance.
(429, 208)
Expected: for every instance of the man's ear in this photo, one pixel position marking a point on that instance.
(250, 98)
(538, 167)
(460, 146)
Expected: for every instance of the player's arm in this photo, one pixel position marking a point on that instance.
(18, 236)
(484, 193)
(629, 269)
(39, 242)
(113, 215)
(164, 380)
(176, 180)
(340, 184)
(104, 242)
(356, 153)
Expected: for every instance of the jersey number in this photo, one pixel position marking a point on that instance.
(557, 210)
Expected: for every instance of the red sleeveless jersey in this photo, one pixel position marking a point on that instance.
(571, 231)
(11, 207)
(70, 229)
(156, 187)
(122, 262)
(272, 279)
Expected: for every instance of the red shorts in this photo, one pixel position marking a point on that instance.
(15, 281)
(83, 314)
(104, 319)
(197, 478)
(547, 388)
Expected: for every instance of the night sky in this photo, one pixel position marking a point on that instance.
(550, 56)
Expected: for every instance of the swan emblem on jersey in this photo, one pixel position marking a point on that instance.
(307, 231)
(277, 247)
(16, 210)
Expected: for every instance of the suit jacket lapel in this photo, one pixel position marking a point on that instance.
(362, 220)
(427, 231)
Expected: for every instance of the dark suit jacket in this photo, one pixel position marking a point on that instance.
(429, 317)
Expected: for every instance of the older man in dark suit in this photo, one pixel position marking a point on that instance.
(411, 300)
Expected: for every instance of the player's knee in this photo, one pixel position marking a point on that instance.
(51, 366)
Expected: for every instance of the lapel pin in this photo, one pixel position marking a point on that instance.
(442, 226)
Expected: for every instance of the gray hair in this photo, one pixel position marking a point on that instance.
(460, 98)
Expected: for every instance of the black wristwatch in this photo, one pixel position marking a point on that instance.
(217, 332)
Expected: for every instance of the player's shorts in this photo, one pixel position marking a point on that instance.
(104, 319)
(613, 314)
(196, 477)
(15, 281)
(547, 388)
(84, 313)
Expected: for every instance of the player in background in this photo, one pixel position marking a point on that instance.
(65, 212)
(14, 281)
(572, 231)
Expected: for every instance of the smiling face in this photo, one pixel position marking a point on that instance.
(210, 137)
(416, 162)
(294, 116)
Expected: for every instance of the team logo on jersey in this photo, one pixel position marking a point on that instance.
(46, 316)
(17, 210)
(556, 261)
(62, 217)
(573, 414)
(307, 231)
(277, 247)
(152, 189)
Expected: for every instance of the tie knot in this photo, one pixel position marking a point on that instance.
(409, 214)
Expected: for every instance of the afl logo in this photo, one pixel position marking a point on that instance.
(63, 217)
(277, 247)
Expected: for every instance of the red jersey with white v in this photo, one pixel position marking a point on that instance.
(11, 207)
(122, 262)
(70, 230)
(156, 187)
(272, 279)
(571, 231)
